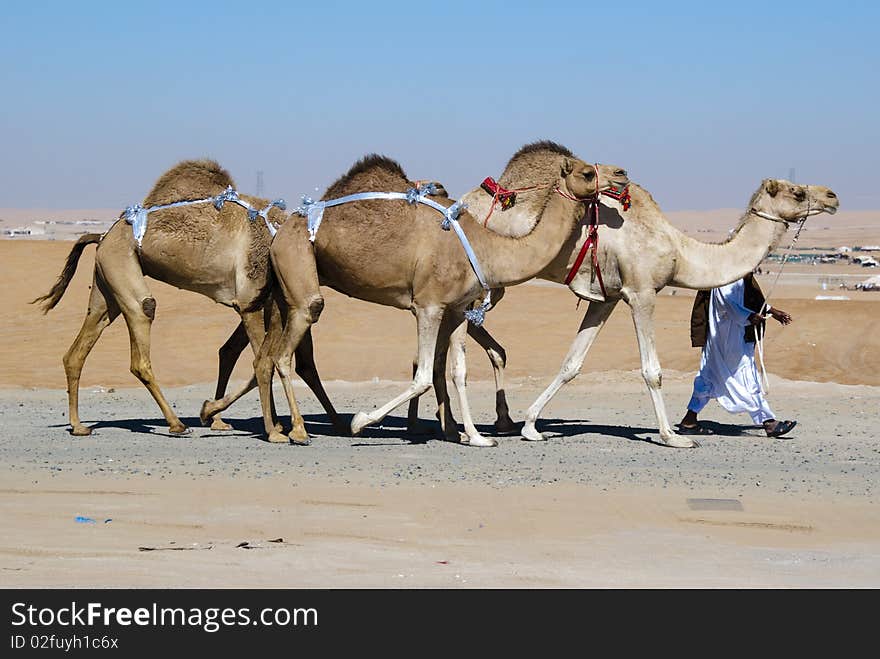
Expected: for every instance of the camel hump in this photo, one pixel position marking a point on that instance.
(369, 172)
(189, 179)
(542, 146)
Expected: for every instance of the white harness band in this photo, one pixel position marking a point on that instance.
(136, 215)
(314, 211)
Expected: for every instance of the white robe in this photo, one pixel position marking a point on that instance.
(727, 366)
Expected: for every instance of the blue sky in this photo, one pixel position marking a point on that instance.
(698, 101)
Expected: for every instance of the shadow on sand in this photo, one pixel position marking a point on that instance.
(394, 427)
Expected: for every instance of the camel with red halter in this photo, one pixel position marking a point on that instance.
(640, 252)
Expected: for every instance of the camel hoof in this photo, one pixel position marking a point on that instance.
(179, 429)
(479, 440)
(220, 424)
(529, 433)
(276, 437)
(299, 436)
(679, 441)
(360, 421)
(505, 426)
(80, 431)
(204, 414)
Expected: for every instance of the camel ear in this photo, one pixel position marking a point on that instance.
(772, 186)
(567, 167)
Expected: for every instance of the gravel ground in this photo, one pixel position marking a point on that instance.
(598, 505)
(603, 422)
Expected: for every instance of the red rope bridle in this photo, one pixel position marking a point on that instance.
(592, 241)
(505, 196)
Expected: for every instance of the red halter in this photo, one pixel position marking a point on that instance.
(505, 196)
(592, 241)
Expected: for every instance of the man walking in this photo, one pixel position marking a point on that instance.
(724, 323)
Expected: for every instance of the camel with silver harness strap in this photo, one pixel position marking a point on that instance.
(195, 232)
(392, 253)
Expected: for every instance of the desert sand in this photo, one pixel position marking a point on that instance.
(600, 504)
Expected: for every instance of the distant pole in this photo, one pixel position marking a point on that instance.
(259, 182)
(791, 175)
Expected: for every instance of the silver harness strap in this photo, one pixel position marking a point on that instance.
(136, 215)
(314, 211)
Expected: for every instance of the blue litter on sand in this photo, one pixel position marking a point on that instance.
(79, 519)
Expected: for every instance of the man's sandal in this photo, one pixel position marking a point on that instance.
(694, 430)
(781, 428)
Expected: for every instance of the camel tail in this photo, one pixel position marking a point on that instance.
(50, 299)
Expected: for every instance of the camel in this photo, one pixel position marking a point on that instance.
(221, 254)
(395, 254)
(640, 252)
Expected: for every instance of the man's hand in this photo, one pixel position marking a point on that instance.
(780, 315)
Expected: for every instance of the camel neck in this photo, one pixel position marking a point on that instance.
(707, 265)
(512, 260)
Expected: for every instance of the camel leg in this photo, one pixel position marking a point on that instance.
(212, 408)
(412, 412)
(126, 281)
(297, 323)
(215, 407)
(255, 331)
(414, 425)
(459, 379)
(306, 369)
(271, 316)
(428, 320)
(642, 306)
(504, 425)
(448, 424)
(299, 305)
(249, 330)
(264, 365)
(594, 318)
(99, 316)
(227, 356)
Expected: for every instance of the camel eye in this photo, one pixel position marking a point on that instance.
(800, 195)
(589, 175)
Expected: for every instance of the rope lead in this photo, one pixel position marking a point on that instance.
(765, 308)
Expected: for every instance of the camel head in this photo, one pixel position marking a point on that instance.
(579, 178)
(784, 200)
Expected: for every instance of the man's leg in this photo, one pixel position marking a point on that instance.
(699, 399)
(763, 415)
